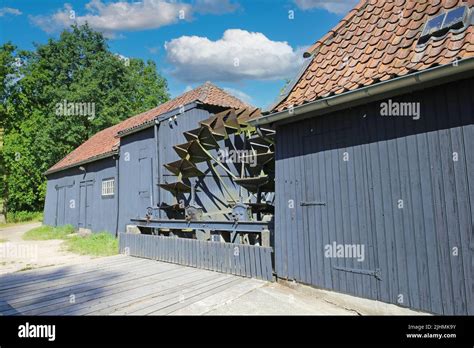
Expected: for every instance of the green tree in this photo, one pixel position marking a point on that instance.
(78, 67)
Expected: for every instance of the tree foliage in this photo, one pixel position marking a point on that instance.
(7, 72)
(78, 67)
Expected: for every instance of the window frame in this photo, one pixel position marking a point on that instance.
(107, 188)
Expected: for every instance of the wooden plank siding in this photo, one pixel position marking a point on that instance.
(243, 260)
(410, 257)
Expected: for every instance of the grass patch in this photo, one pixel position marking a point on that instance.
(3, 240)
(24, 216)
(97, 244)
(48, 232)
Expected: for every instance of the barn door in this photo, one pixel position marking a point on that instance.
(85, 204)
(145, 182)
(336, 213)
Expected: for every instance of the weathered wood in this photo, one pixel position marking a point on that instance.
(176, 298)
(80, 287)
(204, 292)
(59, 300)
(62, 278)
(147, 305)
(96, 304)
(239, 259)
(146, 287)
(9, 280)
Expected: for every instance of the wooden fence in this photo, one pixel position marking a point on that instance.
(242, 260)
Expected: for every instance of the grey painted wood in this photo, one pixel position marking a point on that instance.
(72, 184)
(247, 261)
(238, 259)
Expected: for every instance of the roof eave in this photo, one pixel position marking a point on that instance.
(407, 83)
(158, 118)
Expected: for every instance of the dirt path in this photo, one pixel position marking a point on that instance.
(17, 254)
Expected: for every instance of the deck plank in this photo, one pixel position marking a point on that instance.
(55, 295)
(119, 285)
(17, 278)
(64, 280)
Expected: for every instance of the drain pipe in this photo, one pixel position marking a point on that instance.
(457, 70)
(117, 188)
(158, 168)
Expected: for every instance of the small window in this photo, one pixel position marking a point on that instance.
(108, 187)
(455, 18)
(439, 25)
(435, 24)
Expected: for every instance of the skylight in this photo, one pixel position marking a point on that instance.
(434, 25)
(455, 18)
(439, 25)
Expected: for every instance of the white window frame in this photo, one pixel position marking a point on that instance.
(108, 187)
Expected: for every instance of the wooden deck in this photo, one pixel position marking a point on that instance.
(119, 285)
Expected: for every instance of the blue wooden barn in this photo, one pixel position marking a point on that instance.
(115, 175)
(375, 158)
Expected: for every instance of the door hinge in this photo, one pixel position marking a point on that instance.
(377, 273)
(308, 204)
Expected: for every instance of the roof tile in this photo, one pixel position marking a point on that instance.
(106, 141)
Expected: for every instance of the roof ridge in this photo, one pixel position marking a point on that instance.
(204, 89)
(311, 50)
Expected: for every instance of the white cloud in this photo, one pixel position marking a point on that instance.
(239, 94)
(238, 55)
(334, 6)
(215, 6)
(117, 16)
(8, 10)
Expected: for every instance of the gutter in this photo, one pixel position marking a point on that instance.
(399, 85)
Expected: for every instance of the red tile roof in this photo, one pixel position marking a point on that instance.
(106, 142)
(377, 41)
(207, 94)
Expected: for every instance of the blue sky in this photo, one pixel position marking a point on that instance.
(247, 47)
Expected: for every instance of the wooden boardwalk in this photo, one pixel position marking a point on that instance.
(119, 285)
